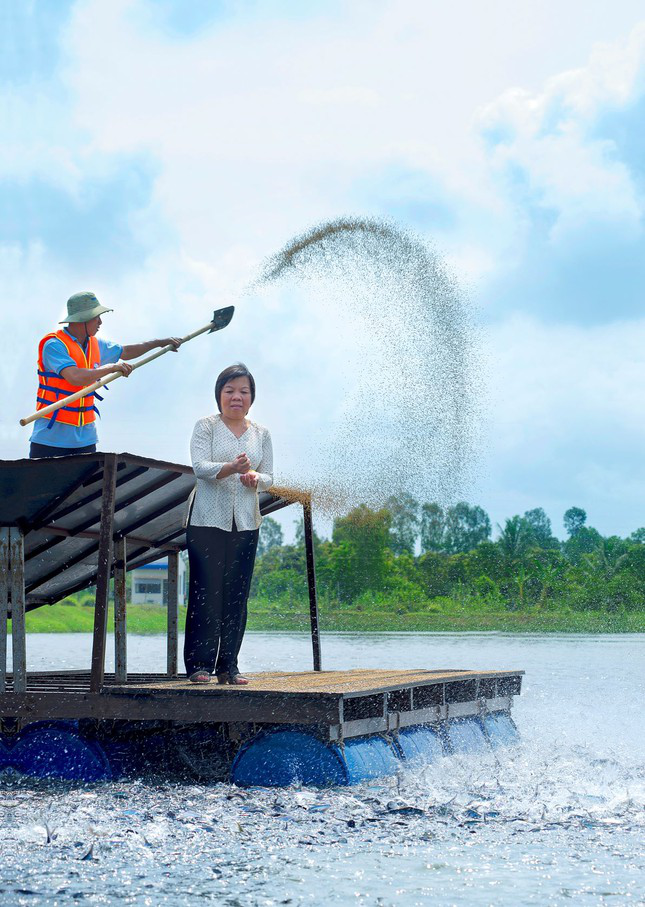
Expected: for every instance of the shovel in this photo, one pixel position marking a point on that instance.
(221, 318)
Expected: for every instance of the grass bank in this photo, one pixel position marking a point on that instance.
(458, 622)
(151, 619)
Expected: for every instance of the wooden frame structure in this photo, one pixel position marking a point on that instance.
(74, 522)
(92, 517)
(12, 589)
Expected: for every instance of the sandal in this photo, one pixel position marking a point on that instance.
(236, 680)
(200, 677)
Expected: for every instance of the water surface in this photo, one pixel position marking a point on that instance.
(559, 819)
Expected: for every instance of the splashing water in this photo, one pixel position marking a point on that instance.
(557, 820)
(410, 407)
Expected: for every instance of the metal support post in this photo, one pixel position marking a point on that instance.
(17, 587)
(103, 575)
(311, 582)
(173, 613)
(4, 604)
(120, 613)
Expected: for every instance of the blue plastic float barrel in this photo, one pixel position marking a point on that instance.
(369, 757)
(56, 750)
(420, 744)
(500, 729)
(466, 735)
(285, 756)
(276, 757)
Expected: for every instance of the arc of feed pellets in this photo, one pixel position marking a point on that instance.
(221, 317)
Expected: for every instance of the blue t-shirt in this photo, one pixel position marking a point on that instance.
(55, 359)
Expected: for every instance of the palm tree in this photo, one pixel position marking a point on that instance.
(549, 574)
(514, 538)
(607, 558)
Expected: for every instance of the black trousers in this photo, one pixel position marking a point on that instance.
(221, 567)
(40, 451)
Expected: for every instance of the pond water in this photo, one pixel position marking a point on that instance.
(559, 819)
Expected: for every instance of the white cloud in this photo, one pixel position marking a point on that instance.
(564, 423)
(562, 157)
(259, 129)
(249, 115)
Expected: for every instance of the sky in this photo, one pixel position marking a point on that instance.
(157, 152)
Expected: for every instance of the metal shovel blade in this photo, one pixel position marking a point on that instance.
(221, 317)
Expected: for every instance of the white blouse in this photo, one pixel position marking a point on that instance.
(218, 501)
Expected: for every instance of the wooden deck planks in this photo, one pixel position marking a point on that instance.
(293, 682)
(319, 682)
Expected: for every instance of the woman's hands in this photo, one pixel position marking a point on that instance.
(241, 465)
(249, 479)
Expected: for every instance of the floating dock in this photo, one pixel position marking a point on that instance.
(74, 522)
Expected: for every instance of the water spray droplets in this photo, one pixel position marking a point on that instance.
(410, 409)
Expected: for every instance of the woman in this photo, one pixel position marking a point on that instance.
(233, 460)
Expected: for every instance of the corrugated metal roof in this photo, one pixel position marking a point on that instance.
(57, 504)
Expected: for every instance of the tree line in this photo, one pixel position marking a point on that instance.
(411, 556)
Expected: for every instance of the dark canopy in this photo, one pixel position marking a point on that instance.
(57, 504)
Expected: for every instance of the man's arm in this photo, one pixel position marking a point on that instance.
(134, 350)
(56, 359)
(81, 377)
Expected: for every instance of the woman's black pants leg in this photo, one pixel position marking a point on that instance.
(221, 567)
(240, 559)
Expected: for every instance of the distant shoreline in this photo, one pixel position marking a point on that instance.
(151, 620)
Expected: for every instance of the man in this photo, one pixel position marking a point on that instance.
(69, 359)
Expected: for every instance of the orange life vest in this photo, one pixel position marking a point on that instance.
(51, 387)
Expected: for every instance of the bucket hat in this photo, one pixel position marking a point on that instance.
(83, 307)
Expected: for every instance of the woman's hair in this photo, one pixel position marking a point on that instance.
(239, 370)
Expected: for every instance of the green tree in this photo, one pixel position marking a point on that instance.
(358, 558)
(638, 536)
(487, 559)
(404, 526)
(465, 527)
(634, 567)
(433, 524)
(278, 559)
(284, 586)
(514, 539)
(607, 557)
(300, 536)
(539, 526)
(270, 535)
(345, 583)
(624, 593)
(635, 561)
(583, 541)
(574, 520)
(432, 568)
(547, 574)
